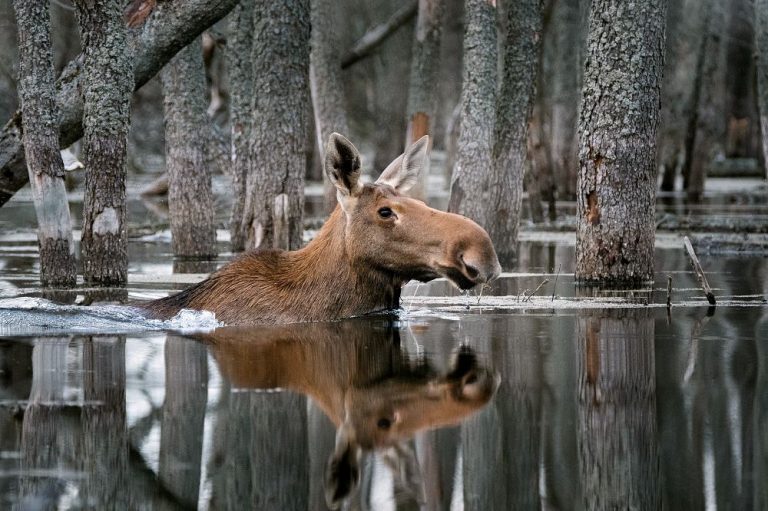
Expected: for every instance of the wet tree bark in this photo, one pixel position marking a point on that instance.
(520, 50)
(190, 196)
(277, 159)
(617, 441)
(181, 429)
(425, 60)
(760, 425)
(106, 114)
(239, 45)
(471, 174)
(761, 45)
(170, 27)
(326, 83)
(41, 144)
(617, 126)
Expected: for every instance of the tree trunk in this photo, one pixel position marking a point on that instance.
(239, 45)
(277, 159)
(170, 27)
(425, 60)
(761, 45)
(190, 197)
(522, 27)
(106, 114)
(565, 94)
(471, 174)
(618, 122)
(41, 144)
(326, 83)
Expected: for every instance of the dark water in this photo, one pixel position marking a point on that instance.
(555, 404)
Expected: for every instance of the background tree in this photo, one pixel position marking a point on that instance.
(41, 144)
(761, 45)
(190, 197)
(106, 113)
(275, 185)
(618, 122)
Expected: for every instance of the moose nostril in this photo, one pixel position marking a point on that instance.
(472, 272)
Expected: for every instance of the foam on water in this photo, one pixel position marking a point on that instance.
(30, 316)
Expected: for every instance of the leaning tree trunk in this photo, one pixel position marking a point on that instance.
(106, 115)
(761, 45)
(239, 44)
(617, 126)
(326, 84)
(190, 197)
(277, 160)
(522, 25)
(471, 174)
(41, 143)
(425, 60)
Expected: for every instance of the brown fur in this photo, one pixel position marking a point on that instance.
(355, 265)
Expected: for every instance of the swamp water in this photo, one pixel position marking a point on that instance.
(559, 399)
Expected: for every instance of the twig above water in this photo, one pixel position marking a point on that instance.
(699, 271)
(527, 298)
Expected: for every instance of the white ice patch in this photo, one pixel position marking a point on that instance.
(106, 222)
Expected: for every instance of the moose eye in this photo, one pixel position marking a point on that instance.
(384, 423)
(385, 212)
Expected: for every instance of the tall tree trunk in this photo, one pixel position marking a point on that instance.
(425, 60)
(761, 45)
(277, 160)
(326, 84)
(522, 26)
(169, 28)
(239, 45)
(106, 114)
(471, 174)
(565, 93)
(190, 197)
(41, 143)
(618, 122)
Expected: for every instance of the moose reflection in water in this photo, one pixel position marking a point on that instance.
(375, 396)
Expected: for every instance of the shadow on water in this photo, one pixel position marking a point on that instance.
(592, 409)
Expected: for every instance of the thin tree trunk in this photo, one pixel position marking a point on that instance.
(239, 45)
(326, 83)
(190, 196)
(522, 26)
(425, 59)
(761, 45)
(170, 27)
(280, 60)
(471, 174)
(106, 116)
(41, 143)
(619, 118)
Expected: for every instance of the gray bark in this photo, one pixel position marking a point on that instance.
(326, 83)
(617, 440)
(422, 97)
(277, 159)
(41, 144)
(239, 44)
(471, 174)
(520, 50)
(190, 196)
(170, 27)
(761, 46)
(617, 126)
(106, 115)
(181, 430)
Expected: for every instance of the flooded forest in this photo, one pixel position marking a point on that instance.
(383, 254)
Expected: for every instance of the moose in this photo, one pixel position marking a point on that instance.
(357, 373)
(375, 241)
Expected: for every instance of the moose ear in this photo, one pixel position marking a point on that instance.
(342, 166)
(343, 471)
(403, 172)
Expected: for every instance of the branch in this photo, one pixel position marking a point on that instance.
(170, 27)
(378, 34)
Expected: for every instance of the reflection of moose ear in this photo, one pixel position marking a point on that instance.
(342, 166)
(403, 172)
(343, 471)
